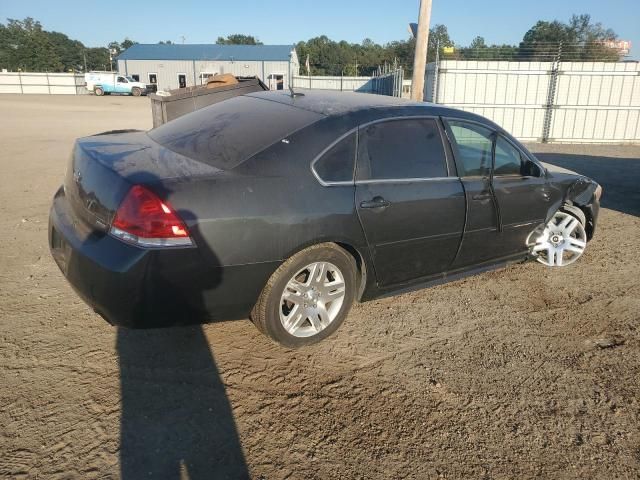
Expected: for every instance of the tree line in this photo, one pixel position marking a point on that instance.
(25, 45)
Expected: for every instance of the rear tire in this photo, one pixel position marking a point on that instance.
(308, 297)
(98, 91)
(136, 92)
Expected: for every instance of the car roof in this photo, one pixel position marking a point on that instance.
(334, 103)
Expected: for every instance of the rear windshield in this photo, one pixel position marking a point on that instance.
(227, 133)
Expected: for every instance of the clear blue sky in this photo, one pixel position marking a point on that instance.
(287, 21)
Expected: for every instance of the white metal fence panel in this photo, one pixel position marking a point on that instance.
(42, 83)
(596, 102)
(390, 83)
(512, 94)
(547, 101)
(345, 84)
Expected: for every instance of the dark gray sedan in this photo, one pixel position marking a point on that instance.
(286, 209)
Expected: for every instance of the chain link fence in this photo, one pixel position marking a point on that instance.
(385, 83)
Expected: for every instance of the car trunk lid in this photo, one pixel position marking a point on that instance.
(104, 167)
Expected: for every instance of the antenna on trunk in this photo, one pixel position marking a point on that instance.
(295, 94)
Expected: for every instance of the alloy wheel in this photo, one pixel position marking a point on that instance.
(562, 241)
(312, 299)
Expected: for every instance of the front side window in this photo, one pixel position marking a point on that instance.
(401, 149)
(336, 165)
(122, 80)
(508, 159)
(474, 145)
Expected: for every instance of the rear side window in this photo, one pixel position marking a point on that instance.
(226, 134)
(474, 145)
(401, 149)
(336, 165)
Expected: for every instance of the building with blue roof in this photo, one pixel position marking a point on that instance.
(174, 66)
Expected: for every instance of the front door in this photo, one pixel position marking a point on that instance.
(522, 193)
(411, 211)
(122, 85)
(473, 148)
(182, 80)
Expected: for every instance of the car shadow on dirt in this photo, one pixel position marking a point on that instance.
(176, 419)
(619, 177)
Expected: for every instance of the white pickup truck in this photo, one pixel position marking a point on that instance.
(102, 83)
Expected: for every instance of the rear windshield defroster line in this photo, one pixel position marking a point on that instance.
(228, 133)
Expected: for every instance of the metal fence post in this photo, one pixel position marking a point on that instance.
(436, 76)
(551, 96)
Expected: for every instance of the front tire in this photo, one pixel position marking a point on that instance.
(308, 297)
(136, 92)
(562, 241)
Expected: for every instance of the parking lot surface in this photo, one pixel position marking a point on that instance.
(517, 373)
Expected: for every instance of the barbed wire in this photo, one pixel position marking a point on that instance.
(546, 51)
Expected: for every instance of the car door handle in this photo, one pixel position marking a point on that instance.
(376, 202)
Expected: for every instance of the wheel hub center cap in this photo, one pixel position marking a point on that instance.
(556, 239)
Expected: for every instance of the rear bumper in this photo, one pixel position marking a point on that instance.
(150, 288)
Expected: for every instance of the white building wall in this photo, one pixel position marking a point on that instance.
(167, 70)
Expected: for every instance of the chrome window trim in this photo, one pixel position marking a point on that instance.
(391, 180)
(323, 152)
(528, 156)
(406, 180)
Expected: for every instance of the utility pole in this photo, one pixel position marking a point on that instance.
(420, 58)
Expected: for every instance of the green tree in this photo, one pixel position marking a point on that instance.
(479, 50)
(97, 58)
(127, 43)
(24, 45)
(477, 43)
(438, 35)
(578, 40)
(115, 48)
(238, 39)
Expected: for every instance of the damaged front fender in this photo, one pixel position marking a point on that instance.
(584, 193)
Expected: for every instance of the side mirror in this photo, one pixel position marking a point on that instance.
(531, 169)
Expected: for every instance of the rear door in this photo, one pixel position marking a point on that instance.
(411, 210)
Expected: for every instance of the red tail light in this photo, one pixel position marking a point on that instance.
(145, 220)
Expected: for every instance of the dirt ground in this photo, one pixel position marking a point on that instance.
(525, 372)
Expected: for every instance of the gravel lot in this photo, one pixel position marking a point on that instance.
(519, 373)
